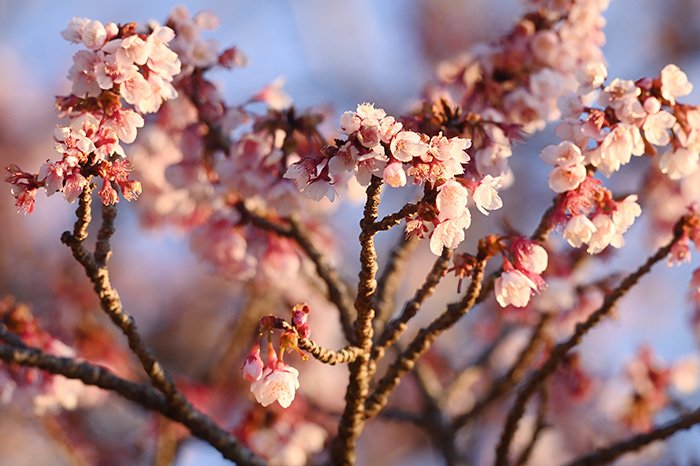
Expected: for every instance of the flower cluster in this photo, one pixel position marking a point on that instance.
(275, 380)
(120, 66)
(521, 273)
(377, 145)
(518, 80)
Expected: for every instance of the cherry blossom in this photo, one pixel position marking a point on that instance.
(514, 288)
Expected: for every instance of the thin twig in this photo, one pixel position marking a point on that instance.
(405, 362)
(390, 280)
(510, 378)
(610, 453)
(396, 327)
(343, 356)
(352, 420)
(394, 219)
(540, 425)
(559, 352)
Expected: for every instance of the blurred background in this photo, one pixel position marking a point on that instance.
(334, 55)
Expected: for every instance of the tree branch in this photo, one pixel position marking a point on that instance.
(352, 420)
(390, 280)
(394, 219)
(610, 453)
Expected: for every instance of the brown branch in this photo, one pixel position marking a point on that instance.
(352, 420)
(608, 454)
(146, 396)
(559, 352)
(338, 293)
(390, 280)
(394, 219)
(406, 361)
(397, 326)
(343, 356)
(516, 372)
(540, 425)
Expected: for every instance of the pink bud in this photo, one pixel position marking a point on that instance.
(253, 365)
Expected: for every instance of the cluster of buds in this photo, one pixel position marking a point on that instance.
(122, 75)
(275, 380)
(524, 261)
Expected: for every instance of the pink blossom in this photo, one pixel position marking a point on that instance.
(394, 175)
(486, 196)
(626, 212)
(564, 153)
(451, 200)
(591, 76)
(656, 127)
(74, 32)
(407, 145)
(567, 177)
(579, 230)
(83, 74)
(678, 163)
(125, 123)
(350, 123)
(253, 365)
(603, 235)
(278, 383)
(530, 256)
(674, 83)
(52, 176)
(93, 35)
(450, 233)
(514, 288)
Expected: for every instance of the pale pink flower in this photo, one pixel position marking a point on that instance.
(564, 153)
(318, 189)
(678, 163)
(388, 128)
(83, 76)
(125, 123)
(52, 175)
(454, 148)
(406, 145)
(93, 35)
(73, 186)
(626, 212)
(656, 127)
(531, 257)
(579, 230)
(394, 175)
(278, 383)
(134, 49)
(514, 288)
(567, 177)
(674, 83)
(591, 76)
(350, 123)
(135, 89)
(450, 233)
(451, 200)
(253, 365)
(367, 111)
(302, 172)
(604, 234)
(486, 196)
(74, 32)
